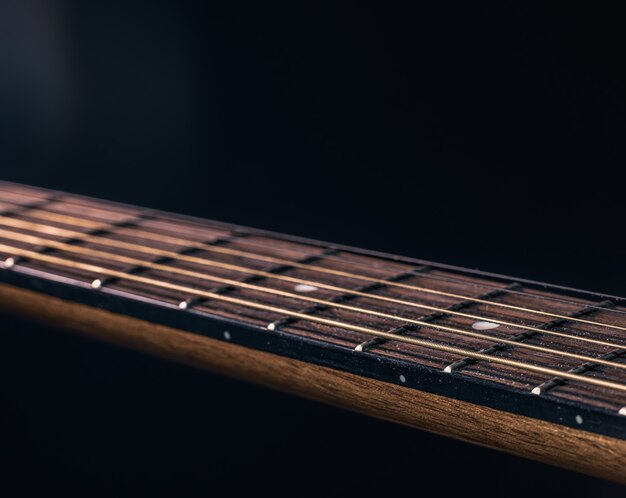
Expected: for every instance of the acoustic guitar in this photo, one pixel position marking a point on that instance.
(529, 368)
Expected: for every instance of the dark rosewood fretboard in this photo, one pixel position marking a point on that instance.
(544, 352)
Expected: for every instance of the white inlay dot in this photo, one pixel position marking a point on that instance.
(484, 325)
(96, 284)
(227, 335)
(402, 379)
(579, 419)
(305, 288)
(9, 263)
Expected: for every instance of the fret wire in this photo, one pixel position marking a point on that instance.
(341, 298)
(501, 345)
(19, 208)
(321, 269)
(514, 290)
(109, 227)
(278, 292)
(251, 278)
(431, 276)
(22, 208)
(99, 232)
(227, 266)
(138, 268)
(580, 369)
(311, 318)
(433, 316)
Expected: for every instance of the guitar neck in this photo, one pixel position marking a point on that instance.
(525, 367)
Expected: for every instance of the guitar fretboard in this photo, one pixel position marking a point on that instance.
(565, 346)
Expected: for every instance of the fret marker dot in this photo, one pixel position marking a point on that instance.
(579, 419)
(9, 263)
(484, 325)
(96, 284)
(305, 288)
(227, 335)
(402, 379)
(183, 305)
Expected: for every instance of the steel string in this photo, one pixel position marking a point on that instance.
(286, 312)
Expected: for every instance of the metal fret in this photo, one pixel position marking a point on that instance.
(194, 301)
(108, 228)
(404, 329)
(342, 298)
(581, 369)
(458, 365)
(38, 204)
(21, 209)
(184, 250)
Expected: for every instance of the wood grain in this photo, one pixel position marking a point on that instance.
(573, 449)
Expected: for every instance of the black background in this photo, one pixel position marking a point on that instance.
(484, 135)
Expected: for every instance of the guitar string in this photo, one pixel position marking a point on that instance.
(311, 318)
(380, 264)
(356, 263)
(17, 236)
(427, 276)
(225, 281)
(275, 260)
(224, 250)
(109, 208)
